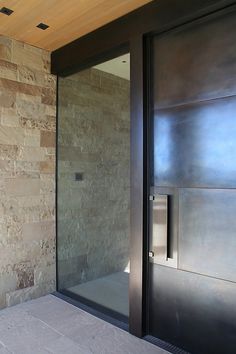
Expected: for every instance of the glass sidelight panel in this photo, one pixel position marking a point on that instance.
(94, 185)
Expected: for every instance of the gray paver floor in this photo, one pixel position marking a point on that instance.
(49, 325)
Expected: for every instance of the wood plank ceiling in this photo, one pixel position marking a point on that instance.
(67, 19)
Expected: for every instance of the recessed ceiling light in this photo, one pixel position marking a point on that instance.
(6, 11)
(42, 26)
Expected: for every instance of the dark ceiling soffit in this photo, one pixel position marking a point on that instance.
(99, 45)
(95, 59)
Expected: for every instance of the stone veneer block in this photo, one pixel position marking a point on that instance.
(45, 274)
(48, 96)
(8, 70)
(14, 86)
(47, 139)
(21, 295)
(5, 51)
(49, 124)
(8, 117)
(27, 153)
(8, 152)
(27, 177)
(38, 231)
(26, 55)
(32, 138)
(8, 282)
(47, 167)
(22, 187)
(11, 136)
(25, 275)
(7, 99)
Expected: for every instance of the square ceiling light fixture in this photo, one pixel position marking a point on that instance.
(6, 11)
(42, 26)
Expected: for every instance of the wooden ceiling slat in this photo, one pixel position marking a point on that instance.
(68, 19)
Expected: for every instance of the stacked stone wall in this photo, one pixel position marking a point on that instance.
(27, 172)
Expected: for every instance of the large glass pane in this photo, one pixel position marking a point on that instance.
(94, 184)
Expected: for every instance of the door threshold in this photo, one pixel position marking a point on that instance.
(164, 345)
(116, 322)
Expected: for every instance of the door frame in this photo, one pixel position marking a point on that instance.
(131, 33)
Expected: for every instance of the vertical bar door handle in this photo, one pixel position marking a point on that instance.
(160, 244)
(160, 228)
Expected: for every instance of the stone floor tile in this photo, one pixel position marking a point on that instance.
(26, 337)
(49, 325)
(4, 350)
(65, 345)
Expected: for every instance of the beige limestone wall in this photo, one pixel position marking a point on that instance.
(94, 213)
(27, 160)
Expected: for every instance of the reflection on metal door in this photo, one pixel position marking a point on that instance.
(192, 268)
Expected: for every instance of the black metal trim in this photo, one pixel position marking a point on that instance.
(56, 179)
(147, 172)
(136, 178)
(164, 345)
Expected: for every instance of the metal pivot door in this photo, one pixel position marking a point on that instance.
(192, 250)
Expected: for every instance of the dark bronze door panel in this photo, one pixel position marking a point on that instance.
(207, 232)
(192, 289)
(195, 63)
(193, 312)
(195, 145)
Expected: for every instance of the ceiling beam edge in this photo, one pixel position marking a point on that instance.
(158, 15)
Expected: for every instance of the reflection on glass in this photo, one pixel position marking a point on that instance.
(94, 184)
